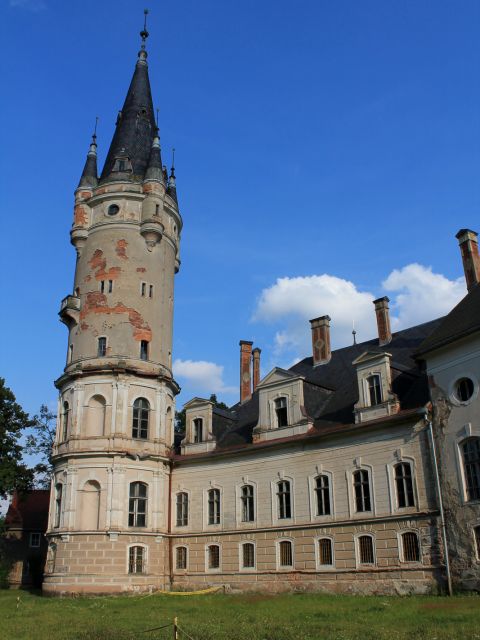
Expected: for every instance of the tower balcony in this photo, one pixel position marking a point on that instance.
(70, 310)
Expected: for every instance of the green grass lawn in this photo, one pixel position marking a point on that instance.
(239, 617)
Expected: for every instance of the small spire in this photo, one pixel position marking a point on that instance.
(142, 54)
(172, 186)
(154, 169)
(354, 333)
(89, 176)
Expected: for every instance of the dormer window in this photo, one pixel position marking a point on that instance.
(281, 412)
(122, 164)
(374, 389)
(198, 430)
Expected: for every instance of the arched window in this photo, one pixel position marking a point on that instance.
(248, 555)
(136, 559)
(213, 555)
(325, 552)
(214, 506)
(374, 389)
(65, 421)
(285, 553)
(471, 462)
(281, 412)
(141, 412)
(58, 504)
(366, 553)
(361, 485)
(198, 430)
(404, 484)
(248, 504)
(284, 500)
(181, 557)
(411, 547)
(322, 492)
(90, 513)
(137, 506)
(96, 416)
(182, 509)
(168, 425)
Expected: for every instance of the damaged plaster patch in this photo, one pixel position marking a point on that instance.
(121, 249)
(96, 302)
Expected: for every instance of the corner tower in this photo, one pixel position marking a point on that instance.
(109, 501)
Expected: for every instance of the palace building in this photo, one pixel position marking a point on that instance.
(357, 470)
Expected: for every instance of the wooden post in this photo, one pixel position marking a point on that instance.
(175, 628)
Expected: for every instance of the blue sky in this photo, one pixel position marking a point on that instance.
(327, 153)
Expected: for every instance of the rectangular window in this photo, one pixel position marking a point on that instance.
(248, 555)
(144, 350)
(181, 557)
(476, 534)
(110, 286)
(411, 549)
(322, 490)
(471, 461)
(365, 549)
(70, 353)
(150, 291)
(197, 430)
(35, 539)
(361, 484)
(136, 557)
(144, 289)
(102, 286)
(374, 390)
(284, 500)
(214, 506)
(281, 412)
(325, 552)
(137, 505)
(182, 509)
(404, 483)
(102, 348)
(286, 555)
(213, 556)
(248, 507)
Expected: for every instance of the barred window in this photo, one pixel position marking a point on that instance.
(411, 548)
(214, 506)
(374, 389)
(137, 507)
(198, 430)
(476, 535)
(102, 347)
(404, 484)
(325, 552)
(182, 509)
(361, 483)
(58, 504)
(248, 555)
(471, 462)
(248, 506)
(213, 553)
(284, 500)
(281, 412)
(286, 554)
(141, 413)
(365, 550)
(322, 490)
(65, 421)
(181, 557)
(136, 560)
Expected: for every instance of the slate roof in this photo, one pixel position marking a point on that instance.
(331, 390)
(29, 511)
(463, 320)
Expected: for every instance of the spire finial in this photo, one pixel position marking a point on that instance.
(354, 333)
(94, 135)
(173, 162)
(144, 33)
(157, 119)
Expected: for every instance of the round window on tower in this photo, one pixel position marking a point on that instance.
(113, 209)
(464, 389)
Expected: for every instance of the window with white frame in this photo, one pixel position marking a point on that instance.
(182, 509)
(404, 485)
(58, 504)
(322, 493)
(137, 505)
(181, 557)
(140, 418)
(285, 552)
(213, 556)
(374, 384)
(284, 499)
(471, 465)
(214, 506)
(281, 412)
(248, 503)
(476, 538)
(325, 552)
(410, 547)
(136, 559)
(366, 550)
(248, 555)
(35, 539)
(197, 430)
(361, 486)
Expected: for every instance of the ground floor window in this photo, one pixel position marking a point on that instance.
(286, 554)
(136, 560)
(411, 548)
(181, 557)
(248, 555)
(213, 554)
(325, 552)
(365, 550)
(476, 533)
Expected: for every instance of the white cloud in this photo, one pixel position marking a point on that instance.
(422, 295)
(205, 377)
(29, 5)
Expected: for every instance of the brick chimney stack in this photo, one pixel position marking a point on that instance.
(256, 367)
(321, 340)
(383, 320)
(245, 370)
(468, 242)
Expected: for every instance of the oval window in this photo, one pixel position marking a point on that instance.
(113, 209)
(464, 389)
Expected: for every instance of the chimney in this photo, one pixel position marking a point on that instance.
(383, 320)
(256, 367)
(245, 374)
(321, 340)
(467, 240)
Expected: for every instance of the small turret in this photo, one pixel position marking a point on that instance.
(89, 178)
(154, 169)
(172, 185)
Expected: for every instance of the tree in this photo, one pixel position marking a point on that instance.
(14, 474)
(40, 443)
(180, 416)
(220, 405)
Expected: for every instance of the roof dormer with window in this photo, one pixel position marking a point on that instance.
(199, 436)
(375, 396)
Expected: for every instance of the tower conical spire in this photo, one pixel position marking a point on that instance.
(130, 149)
(89, 177)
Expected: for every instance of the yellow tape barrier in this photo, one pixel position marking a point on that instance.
(190, 593)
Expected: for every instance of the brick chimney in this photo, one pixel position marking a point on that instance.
(321, 340)
(383, 320)
(256, 367)
(467, 240)
(245, 370)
